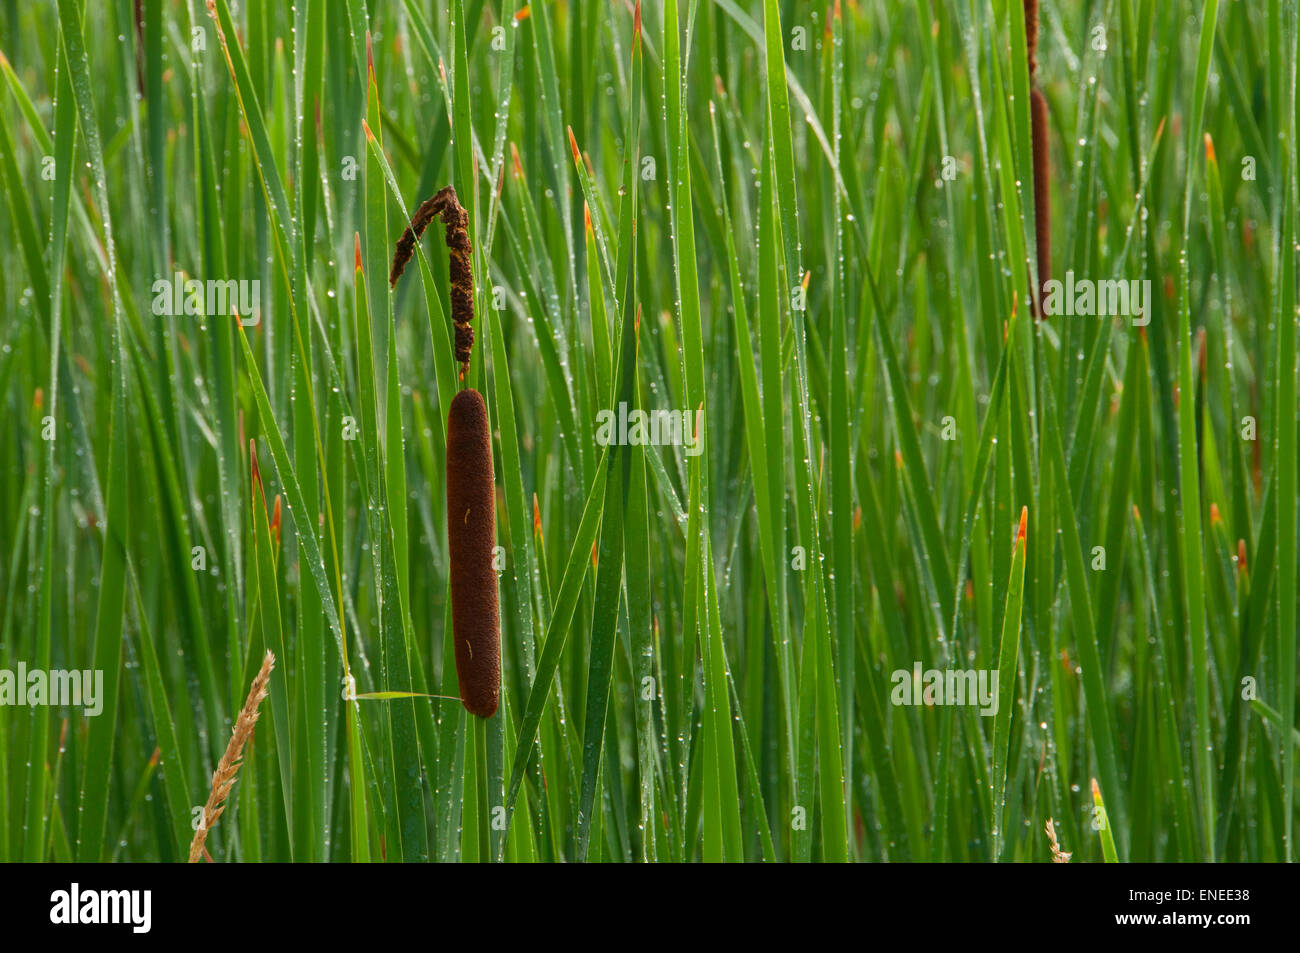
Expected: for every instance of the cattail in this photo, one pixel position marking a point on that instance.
(461, 276)
(1042, 162)
(223, 779)
(139, 45)
(471, 536)
(471, 495)
(1042, 195)
(1031, 35)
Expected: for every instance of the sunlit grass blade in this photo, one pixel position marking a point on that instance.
(1008, 662)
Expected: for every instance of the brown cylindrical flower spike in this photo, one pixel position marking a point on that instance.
(471, 495)
(1042, 194)
(471, 535)
(1031, 35)
(1042, 162)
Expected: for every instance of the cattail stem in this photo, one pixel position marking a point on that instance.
(481, 784)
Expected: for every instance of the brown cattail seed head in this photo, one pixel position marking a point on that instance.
(1031, 35)
(471, 536)
(1042, 194)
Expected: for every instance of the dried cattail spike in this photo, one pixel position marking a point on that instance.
(471, 536)
(425, 214)
(460, 268)
(1042, 193)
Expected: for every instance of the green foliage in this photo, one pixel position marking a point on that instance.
(811, 223)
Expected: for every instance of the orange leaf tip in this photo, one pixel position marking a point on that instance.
(252, 457)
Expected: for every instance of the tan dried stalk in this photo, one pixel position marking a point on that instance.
(223, 779)
(1058, 856)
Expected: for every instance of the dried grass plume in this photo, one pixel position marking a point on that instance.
(1058, 856)
(223, 779)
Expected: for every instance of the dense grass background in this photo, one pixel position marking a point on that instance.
(812, 220)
